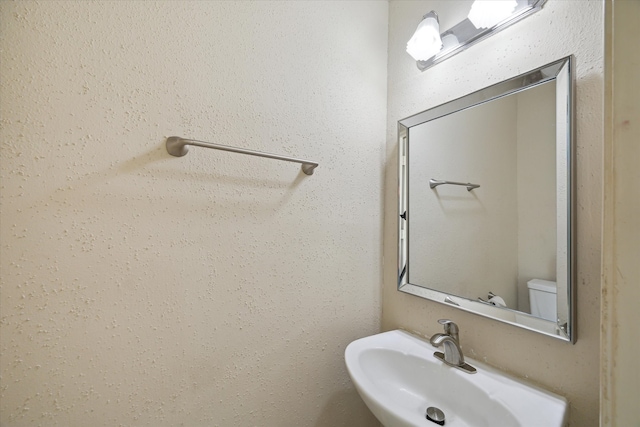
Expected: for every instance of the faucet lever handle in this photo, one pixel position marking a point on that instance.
(450, 328)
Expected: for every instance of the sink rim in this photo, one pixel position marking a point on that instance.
(489, 379)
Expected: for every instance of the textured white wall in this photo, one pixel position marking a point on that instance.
(560, 29)
(620, 377)
(214, 289)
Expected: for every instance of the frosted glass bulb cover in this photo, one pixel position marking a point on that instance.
(488, 13)
(449, 41)
(426, 41)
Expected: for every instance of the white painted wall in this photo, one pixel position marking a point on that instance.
(560, 29)
(619, 375)
(210, 290)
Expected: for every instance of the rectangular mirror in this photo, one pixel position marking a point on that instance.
(485, 202)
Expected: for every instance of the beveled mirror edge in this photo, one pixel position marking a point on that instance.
(489, 93)
(568, 72)
(565, 101)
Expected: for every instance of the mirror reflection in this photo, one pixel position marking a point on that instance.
(485, 205)
(503, 233)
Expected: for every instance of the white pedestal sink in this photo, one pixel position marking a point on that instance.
(398, 378)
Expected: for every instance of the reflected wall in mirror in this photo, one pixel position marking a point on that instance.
(485, 202)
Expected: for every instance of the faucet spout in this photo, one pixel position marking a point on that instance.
(452, 351)
(449, 340)
(437, 339)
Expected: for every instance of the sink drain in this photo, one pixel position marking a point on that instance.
(435, 415)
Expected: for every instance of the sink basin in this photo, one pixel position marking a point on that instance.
(398, 378)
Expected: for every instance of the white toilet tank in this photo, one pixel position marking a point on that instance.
(542, 298)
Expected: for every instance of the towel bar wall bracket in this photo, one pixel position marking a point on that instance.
(177, 147)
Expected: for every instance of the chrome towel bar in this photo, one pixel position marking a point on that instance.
(433, 183)
(177, 146)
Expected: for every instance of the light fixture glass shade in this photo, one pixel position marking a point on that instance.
(488, 13)
(426, 41)
(449, 41)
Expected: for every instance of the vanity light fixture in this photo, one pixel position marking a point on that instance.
(426, 40)
(487, 13)
(487, 17)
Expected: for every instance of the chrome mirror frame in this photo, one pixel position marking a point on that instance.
(562, 72)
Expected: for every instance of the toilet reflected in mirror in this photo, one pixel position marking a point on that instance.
(542, 298)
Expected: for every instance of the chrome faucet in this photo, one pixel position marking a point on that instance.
(450, 340)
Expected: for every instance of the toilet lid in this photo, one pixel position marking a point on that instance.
(542, 285)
